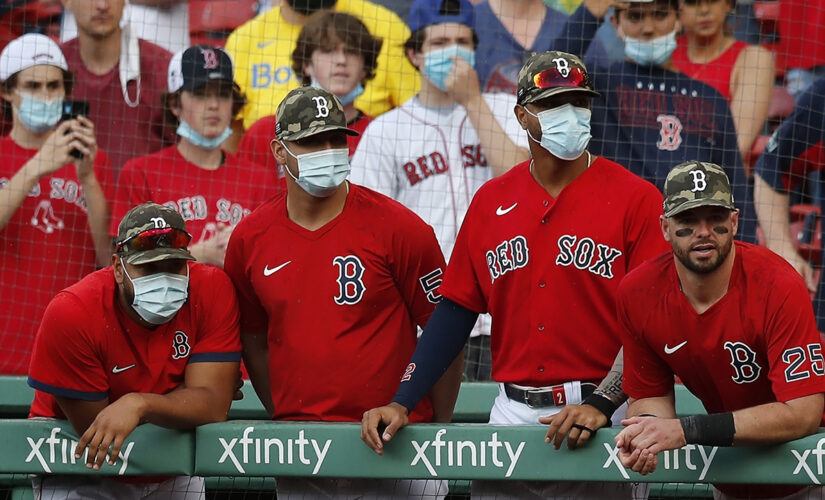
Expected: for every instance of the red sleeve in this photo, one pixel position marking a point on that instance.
(64, 361)
(131, 191)
(795, 351)
(646, 375)
(643, 232)
(220, 338)
(254, 146)
(253, 318)
(417, 266)
(461, 283)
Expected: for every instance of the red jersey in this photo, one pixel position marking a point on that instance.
(113, 355)
(715, 73)
(254, 145)
(547, 269)
(46, 246)
(340, 305)
(203, 197)
(124, 131)
(758, 344)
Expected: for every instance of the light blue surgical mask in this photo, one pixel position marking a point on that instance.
(188, 133)
(39, 116)
(159, 296)
(347, 98)
(650, 52)
(320, 173)
(565, 130)
(439, 62)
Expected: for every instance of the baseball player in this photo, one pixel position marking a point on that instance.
(733, 321)
(213, 190)
(329, 313)
(163, 348)
(795, 146)
(542, 248)
(435, 151)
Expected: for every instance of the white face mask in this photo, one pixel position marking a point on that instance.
(650, 52)
(320, 173)
(39, 116)
(159, 296)
(565, 130)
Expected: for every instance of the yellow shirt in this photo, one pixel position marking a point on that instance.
(262, 52)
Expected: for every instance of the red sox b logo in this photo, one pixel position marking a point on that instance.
(210, 59)
(743, 361)
(670, 135)
(351, 285)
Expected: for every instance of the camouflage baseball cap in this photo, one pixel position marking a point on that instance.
(550, 73)
(165, 232)
(307, 111)
(695, 184)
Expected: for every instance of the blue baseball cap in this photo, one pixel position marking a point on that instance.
(425, 13)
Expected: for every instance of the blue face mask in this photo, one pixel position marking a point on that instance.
(188, 133)
(347, 98)
(438, 63)
(39, 116)
(565, 130)
(158, 297)
(650, 52)
(320, 173)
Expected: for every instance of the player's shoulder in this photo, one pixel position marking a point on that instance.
(505, 183)
(653, 274)
(92, 289)
(262, 219)
(759, 261)
(203, 278)
(371, 205)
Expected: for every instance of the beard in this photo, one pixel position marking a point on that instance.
(703, 266)
(307, 7)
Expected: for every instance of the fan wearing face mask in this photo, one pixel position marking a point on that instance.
(53, 185)
(212, 189)
(651, 117)
(153, 338)
(333, 280)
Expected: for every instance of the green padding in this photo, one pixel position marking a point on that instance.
(44, 445)
(15, 396)
(680, 491)
(477, 451)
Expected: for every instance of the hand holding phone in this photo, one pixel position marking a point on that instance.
(71, 110)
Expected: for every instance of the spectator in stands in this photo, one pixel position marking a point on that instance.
(52, 181)
(801, 49)
(150, 339)
(334, 52)
(514, 29)
(435, 151)
(554, 325)
(122, 78)
(761, 380)
(333, 279)
(651, 117)
(213, 190)
(742, 73)
(162, 22)
(262, 50)
(782, 165)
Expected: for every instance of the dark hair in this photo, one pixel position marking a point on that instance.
(325, 30)
(416, 39)
(673, 4)
(169, 100)
(11, 83)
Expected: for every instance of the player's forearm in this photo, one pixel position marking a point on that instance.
(778, 422)
(186, 407)
(97, 213)
(499, 150)
(256, 361)
(663, 407)
(772, 211)
(445, 391)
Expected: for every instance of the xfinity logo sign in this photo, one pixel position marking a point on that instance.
(268, 450)
(53, 450)
(685, 458)
(495, 453)
(802, 461)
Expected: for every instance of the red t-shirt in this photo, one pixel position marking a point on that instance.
(203, 197)
(46, 246)
(547, 269)
(715, 73)
(758, 344)
(801, 37)
(340, 305)
(254, 145)
(122, 131)
(77, 358)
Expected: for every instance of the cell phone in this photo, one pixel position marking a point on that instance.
(71, 110)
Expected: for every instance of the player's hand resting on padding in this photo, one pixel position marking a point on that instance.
(111, 427)
(577, 422)
(394, 416)
(644, 437)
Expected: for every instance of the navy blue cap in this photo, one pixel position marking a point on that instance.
(425, 13)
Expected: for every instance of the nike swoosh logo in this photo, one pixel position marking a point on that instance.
(270, 272)
(263, 45)
(671, 350)
(503, 211)
(118, 369)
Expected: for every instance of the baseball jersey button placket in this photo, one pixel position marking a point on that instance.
(541, 328)
(542, 284)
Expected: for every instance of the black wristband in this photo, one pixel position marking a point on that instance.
(603, 404)
(646, 415)
(717, 429)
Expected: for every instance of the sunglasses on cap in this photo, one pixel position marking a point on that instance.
(553, 78)
(167, 237)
